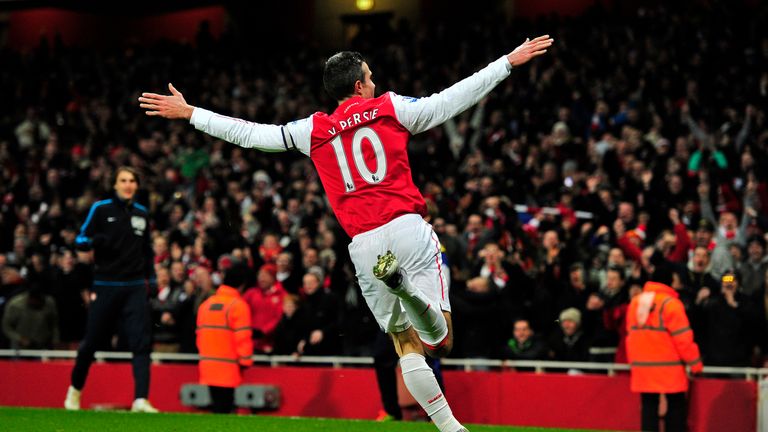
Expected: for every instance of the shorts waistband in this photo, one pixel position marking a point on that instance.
(394, 222)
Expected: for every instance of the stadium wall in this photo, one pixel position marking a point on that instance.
(506, 397)
(27, 27)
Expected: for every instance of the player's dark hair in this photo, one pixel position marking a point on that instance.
(341, 72)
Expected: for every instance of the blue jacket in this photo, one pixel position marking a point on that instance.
(118, 233)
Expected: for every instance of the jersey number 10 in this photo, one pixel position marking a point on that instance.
(357, 155)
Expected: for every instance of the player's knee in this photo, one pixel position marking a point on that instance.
(407, 342)
(442, 349)
(441, 352)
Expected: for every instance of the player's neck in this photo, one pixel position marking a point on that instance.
(347, 99)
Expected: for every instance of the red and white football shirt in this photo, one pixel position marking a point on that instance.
(361, 154)
(360, 150)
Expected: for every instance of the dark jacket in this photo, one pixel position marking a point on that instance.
(727, 334)
(569, 348)
(532, 349)
(118, 233)
(323, 312)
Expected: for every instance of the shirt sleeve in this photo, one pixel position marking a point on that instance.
(269, 138)
(149, 257)
(84, 240)
(418, 115)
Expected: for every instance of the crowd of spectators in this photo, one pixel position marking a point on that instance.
(638, 140)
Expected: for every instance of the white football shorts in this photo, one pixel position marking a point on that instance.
(417, 249)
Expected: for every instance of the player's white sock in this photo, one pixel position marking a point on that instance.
(427, 318)
(421, 382)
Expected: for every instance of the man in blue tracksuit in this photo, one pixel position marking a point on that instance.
(117, 232)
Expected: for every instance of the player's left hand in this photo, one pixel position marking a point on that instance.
(529, 49)
(170, 107)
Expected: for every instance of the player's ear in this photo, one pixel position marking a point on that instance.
(358, 88)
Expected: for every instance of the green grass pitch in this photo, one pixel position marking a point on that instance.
(58, 420)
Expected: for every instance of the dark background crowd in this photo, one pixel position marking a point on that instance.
(639, 140)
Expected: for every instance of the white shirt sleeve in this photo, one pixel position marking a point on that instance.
(418, 115)
(269, 138)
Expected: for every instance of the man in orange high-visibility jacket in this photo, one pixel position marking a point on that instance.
(224, 339)
(659, 346)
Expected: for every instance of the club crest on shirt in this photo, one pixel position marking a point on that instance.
(139, 224)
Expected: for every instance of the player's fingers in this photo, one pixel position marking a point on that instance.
(153, 95)
(173, 90)
(152, 113)
(539, 47)
(540, 38)
(149, 106)
(538, 53)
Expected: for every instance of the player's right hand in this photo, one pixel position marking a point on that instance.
(529, 49)
(170, 107)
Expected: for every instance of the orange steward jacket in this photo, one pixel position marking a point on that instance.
(224, 338)
(660, 341)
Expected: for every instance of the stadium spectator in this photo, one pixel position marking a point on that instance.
(31, 320)
(164, 309)
(728, 324)
(178, 271)
(729, 230)
(70, 291)
(224, 339)
(478, 313)
(475, 235)
(676, 243)
(265, 301)
(289, 278)
(324, 318)
(615, 299)
(698, 275)
(577, 293)
(116, 232)
(292, 328)
(185, 316)
(753, 268)
(569, 343)
(493, 266)
(203, 285)
(524, 344)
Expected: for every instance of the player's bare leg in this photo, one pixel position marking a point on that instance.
(421, 383)
(430, 331)
(432, 325)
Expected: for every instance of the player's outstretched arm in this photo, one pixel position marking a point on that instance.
(268, 138)
(418, 115)
(170, 107)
